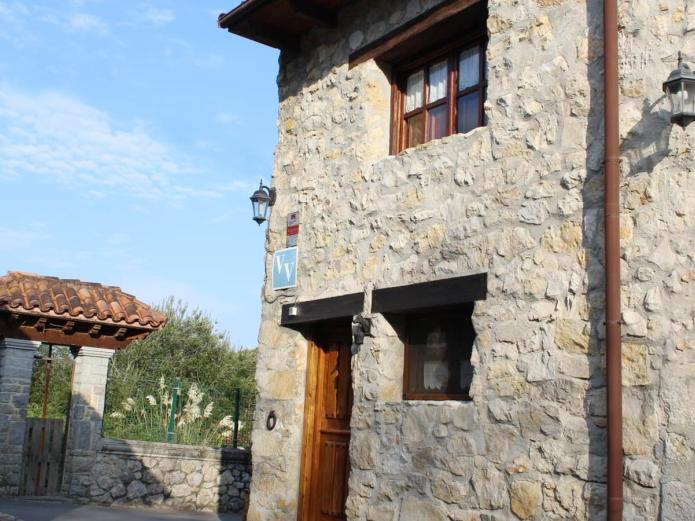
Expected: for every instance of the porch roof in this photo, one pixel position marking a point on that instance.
(72, 312)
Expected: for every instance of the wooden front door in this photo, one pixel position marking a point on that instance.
(326, 462)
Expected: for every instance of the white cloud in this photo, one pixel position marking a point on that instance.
(19, 20)
(58, 137)
(15, 30)
(157, 16)
(179, 50)
(228, 118)
(118, 239)
(84, 22)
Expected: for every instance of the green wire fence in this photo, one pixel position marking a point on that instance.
(177, 411)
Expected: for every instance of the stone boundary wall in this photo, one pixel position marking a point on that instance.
(183, 477)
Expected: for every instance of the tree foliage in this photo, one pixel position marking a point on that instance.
(190, 349)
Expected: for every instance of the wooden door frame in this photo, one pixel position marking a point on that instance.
(314, 382)
(309, 431)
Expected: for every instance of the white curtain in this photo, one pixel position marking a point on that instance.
(438, 81)
(469, 68)
(413, 91)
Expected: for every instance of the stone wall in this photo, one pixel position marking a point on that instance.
(181, 477)
(88, 394)
(16, 363)
(520, 199)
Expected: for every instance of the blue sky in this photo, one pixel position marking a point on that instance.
(131, 137)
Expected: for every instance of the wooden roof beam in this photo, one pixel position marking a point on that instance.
(314, 13)
(258, 31)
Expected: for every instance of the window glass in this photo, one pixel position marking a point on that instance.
(437, 81)
(437, 123)
(469, 68)
(467, 116)
(689, 98)
(678, 99)
(416, 129)
(414, 88)
(438, 355)
(466, 374)
(435, 367)
(445, 92)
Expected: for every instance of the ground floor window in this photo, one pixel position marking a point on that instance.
(438, 355)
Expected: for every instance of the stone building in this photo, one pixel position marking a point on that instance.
(445, 160)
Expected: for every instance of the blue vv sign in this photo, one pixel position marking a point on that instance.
(285, 268)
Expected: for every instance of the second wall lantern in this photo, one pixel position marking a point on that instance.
(261, 200)
(680, 89)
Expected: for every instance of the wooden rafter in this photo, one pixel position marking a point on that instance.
(271, 36)
(280, 23)
(314, 13)
(95, 331)
(69, 327)
(41, 324)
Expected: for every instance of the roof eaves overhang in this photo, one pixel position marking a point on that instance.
(279, 23)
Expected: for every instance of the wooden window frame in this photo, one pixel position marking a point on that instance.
(450, 52)
(444, 317)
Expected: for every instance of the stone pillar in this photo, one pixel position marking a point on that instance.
(85, 419)
(16, 363)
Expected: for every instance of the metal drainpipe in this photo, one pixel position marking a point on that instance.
(612, 247)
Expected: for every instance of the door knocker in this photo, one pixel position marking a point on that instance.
(271, 421)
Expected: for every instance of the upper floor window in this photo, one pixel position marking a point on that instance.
(439, 95)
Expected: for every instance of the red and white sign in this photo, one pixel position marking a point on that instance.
(292, 229)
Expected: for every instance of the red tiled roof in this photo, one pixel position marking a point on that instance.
(70, 298)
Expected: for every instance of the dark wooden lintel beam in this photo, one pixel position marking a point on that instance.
(428, 295)
(322, 309)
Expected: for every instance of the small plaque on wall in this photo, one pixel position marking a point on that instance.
(284, 273)
(292, 229)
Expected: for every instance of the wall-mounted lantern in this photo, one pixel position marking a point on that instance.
(261, 200)
(680, 89)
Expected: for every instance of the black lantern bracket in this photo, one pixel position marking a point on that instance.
(361, 327)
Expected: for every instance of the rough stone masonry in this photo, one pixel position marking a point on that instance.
(521, 200)
(182, 477)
